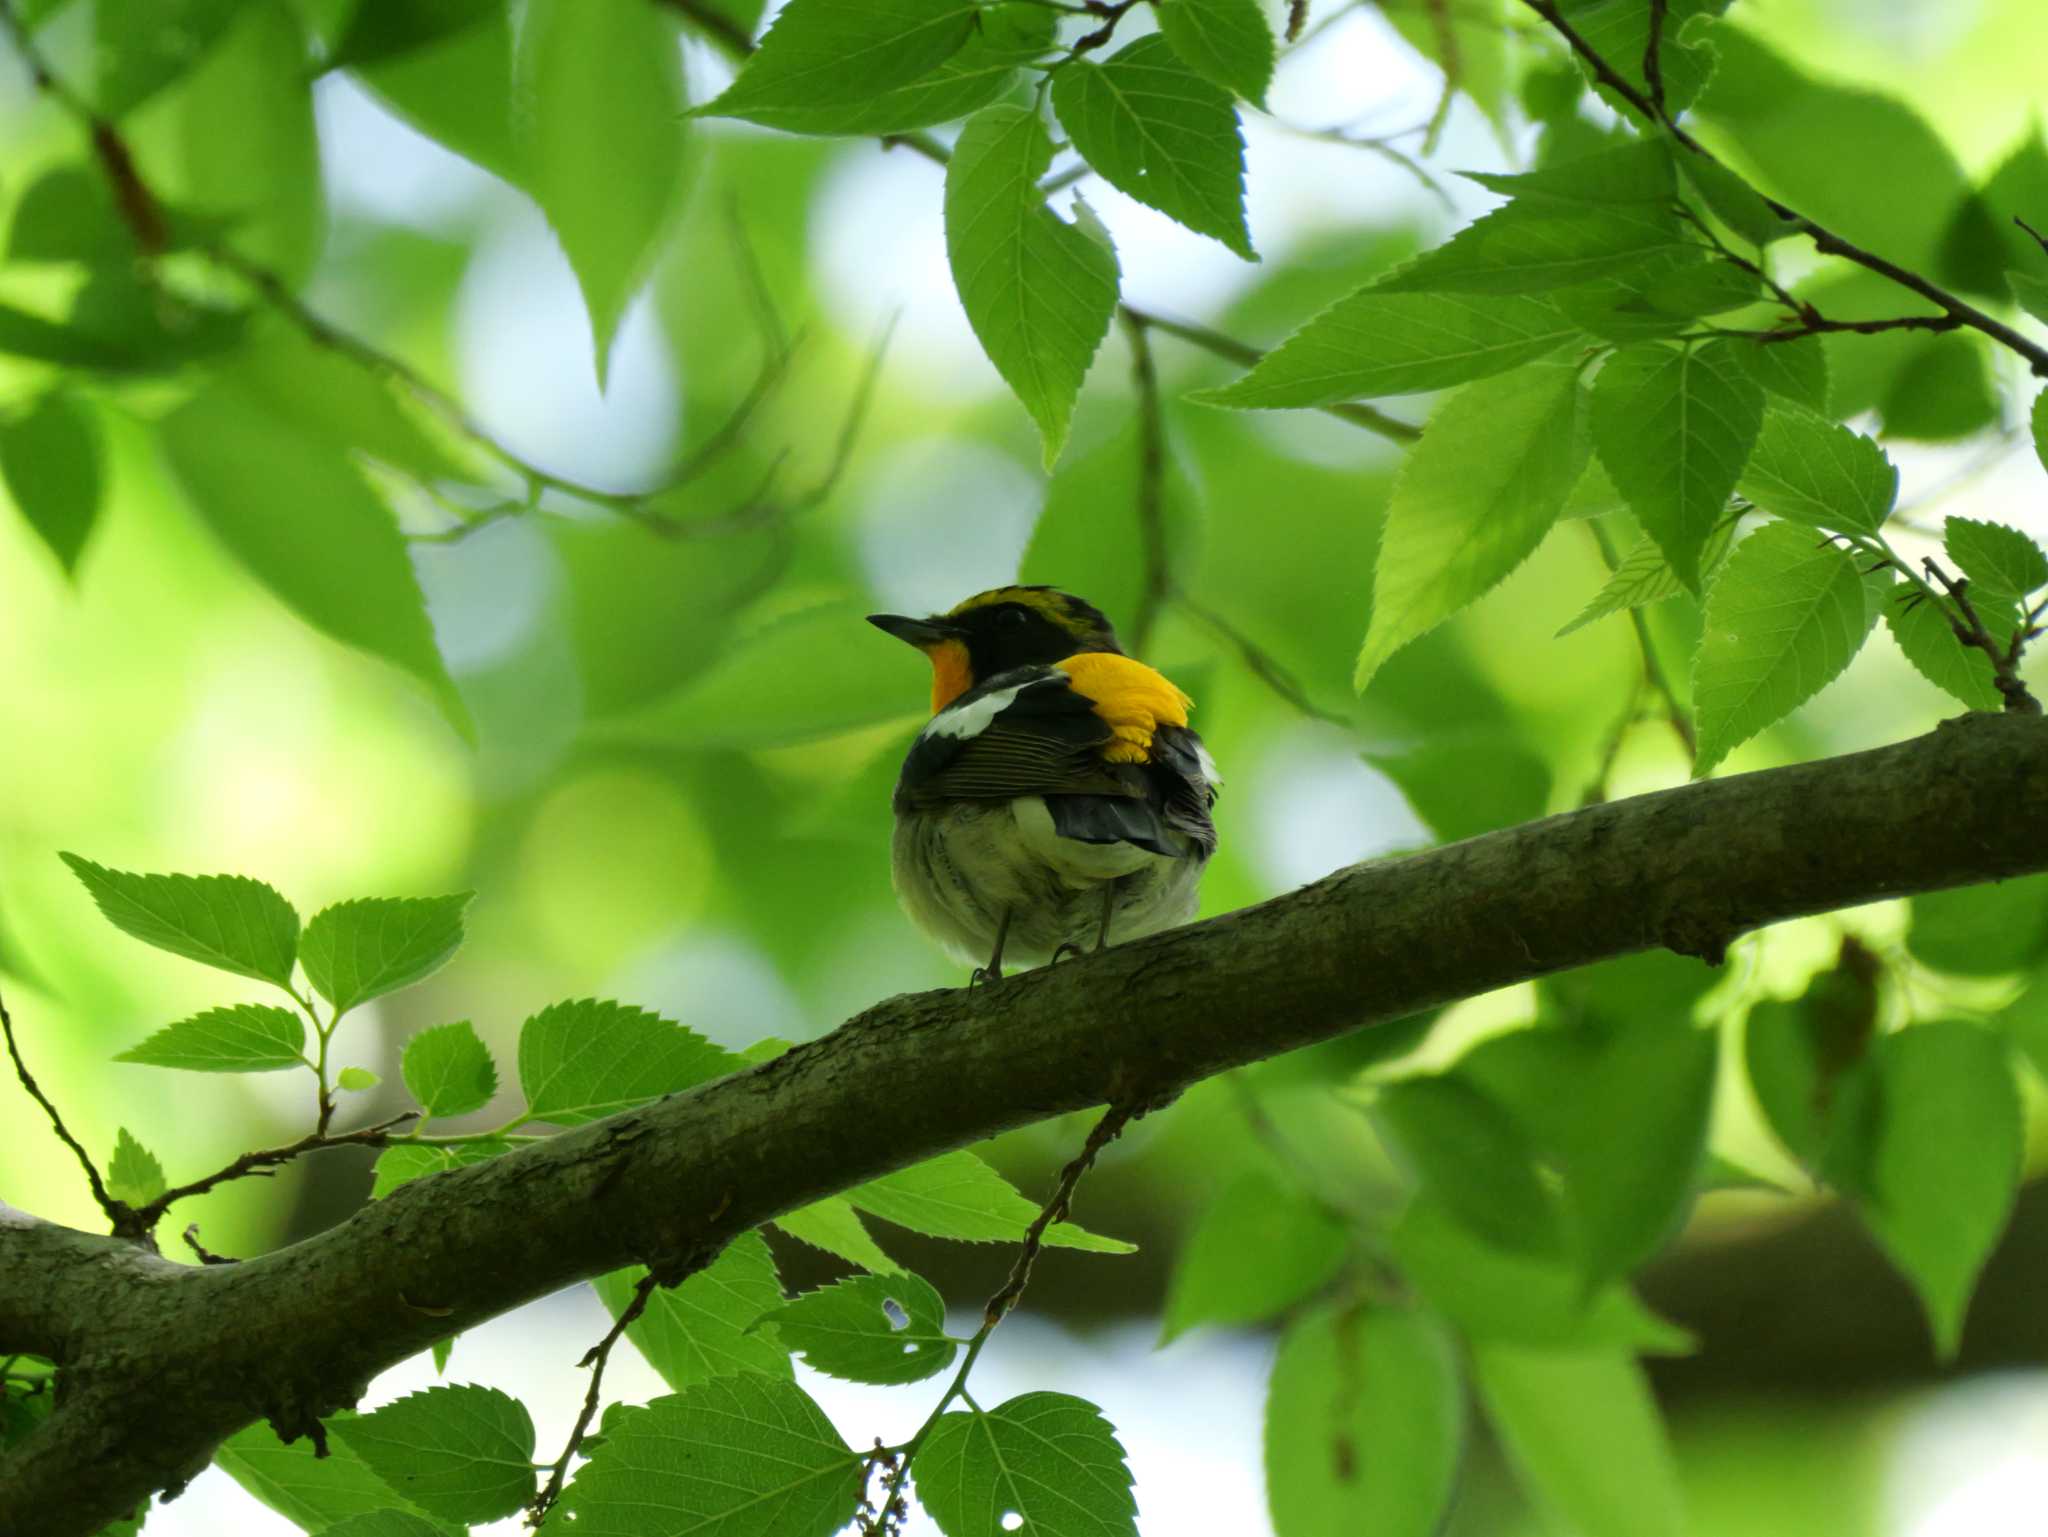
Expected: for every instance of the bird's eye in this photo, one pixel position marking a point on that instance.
(1010, 618)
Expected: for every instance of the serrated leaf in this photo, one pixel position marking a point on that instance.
(1936, 1177)
(338, 561)
(604, 152)
(1783, 619)
(1797, 370)
(246, 1038)
(1995, 557)
(385, 1523)
(849, 1329)
(834, 1226)
(983, 71)
(1815, 471)
(1663, 297)
(1982, 931)
(464, 1453)
(1929, 642)
(356, 951)
(1530, 247)
(1375, 343)
(1225, 41)
(229, 922)
(744, 1456)
(706, 1326)
(589, 1058)
(142, 46)
(1159, 132)
(50, 464)
(1637, 173)
(1039, 293)
(1299, 1248)
(449, 1070)
(1733, 201)
(824, 53)
(1619, 31)
(1644, 576)
(1365, 1419)
(1583, 1431)
(1473, 500)
(313, 1492)
(1674, 427)
(1047, 1458)
(956, 1195)
(133, 1174)
(404, 1162)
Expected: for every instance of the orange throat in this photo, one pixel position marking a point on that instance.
(951, 676)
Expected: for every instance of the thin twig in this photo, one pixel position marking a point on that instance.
(1151, 495)
(262, 1161)
(1653, 60)
(1824, 239)
(117, 1212)
(716, 25)
(206, 1255)
(1261, 663)
(1448, 62)
(1970, 630)
(1653, 669)
(888, 1516)
(596, 1359)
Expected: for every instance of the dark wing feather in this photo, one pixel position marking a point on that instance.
(1180, 775)
(1047, 740)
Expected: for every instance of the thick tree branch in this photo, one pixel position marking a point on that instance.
(160, 1362)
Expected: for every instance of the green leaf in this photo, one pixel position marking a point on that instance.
(1732, 200)
(956, 1195)
(1818, 472)
(1583, 1431)
(587, 1059)
(465, 1453)
(834, 1226)
(1795, 370)
(313, 1492)
(827, 53)
(1470, 1155)
(134, 1176)
(1922, 629)
(1464, 783)
(357, 1080)
(1473, 500)
(1299, 1248)
(1674, 427)
(388, 29)
(50, 464)
(983, 71)
(744, 1456)
(1224, 41)
(448, 1069)
(245, 1038)
(1997, 559)
(705, 1327)
(385, 1523)
(1531, 247)
(1038, 292)
(849, 1329)
(356, 951)
(458, 91)
(226, 921)
(1936, 1178)
(1798, 1053)
(1785, 616)
(1982, 931)
(141, 46)
(1375, 343)
(1635, 175)
(2031, 294)
(1524, 1299)
(1619, 31)
(603, 90)
(1662, 297)
(1645, 576)
(337, 561)
(404, 1162)
(1158, 132)
(1365, 1418)
(2040, 421)
(1047, 1458)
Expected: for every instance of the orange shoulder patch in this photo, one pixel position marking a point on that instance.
(1135, 699)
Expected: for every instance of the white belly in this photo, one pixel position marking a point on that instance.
(958, 869)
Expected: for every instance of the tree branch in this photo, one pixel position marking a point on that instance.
(116, 1211)
(160, 1362)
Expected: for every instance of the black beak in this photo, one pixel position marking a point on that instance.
(917, 632)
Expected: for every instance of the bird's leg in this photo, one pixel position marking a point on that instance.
(1108, 911)
(993, 971)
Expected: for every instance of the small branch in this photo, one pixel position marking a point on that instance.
(1151, 498)
(1653, 670)
(261, 1162)
(117, 1212)
(1447, 49)
(1970, 630)
(596, 1358)
(206, 1255)
(1262, 664)
(2039, 239)
(1297, 18)
(1111, 14)
(1653, 60)
(715, 25)
(1824, 239)
(1814, 324)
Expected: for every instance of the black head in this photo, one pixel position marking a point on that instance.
(994, 631)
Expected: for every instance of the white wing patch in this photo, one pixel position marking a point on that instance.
(971, 719)
(1208, 764)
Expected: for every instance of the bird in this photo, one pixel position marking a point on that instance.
(1056, 796)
